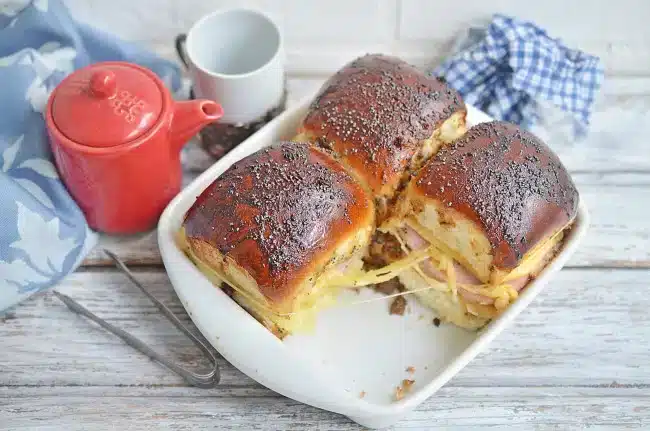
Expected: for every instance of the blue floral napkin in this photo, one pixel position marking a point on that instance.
(43, 234)
(511, 68)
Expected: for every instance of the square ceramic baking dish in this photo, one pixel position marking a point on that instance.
(358, 354)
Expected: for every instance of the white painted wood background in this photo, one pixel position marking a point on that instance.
(578, 358)
(322, 35)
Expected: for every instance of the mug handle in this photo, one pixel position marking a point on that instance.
(180, 49)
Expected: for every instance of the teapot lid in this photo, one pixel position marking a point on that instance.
(107, 104)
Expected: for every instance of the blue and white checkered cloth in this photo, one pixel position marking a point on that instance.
(509, 68)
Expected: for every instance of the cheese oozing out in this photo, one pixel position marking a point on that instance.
(300, 316)
(437, 268)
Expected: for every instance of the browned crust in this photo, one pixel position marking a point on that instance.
(507, 181)
(279, 214)
(375, 112)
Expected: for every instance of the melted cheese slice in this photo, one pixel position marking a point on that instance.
(323, 294)
(302, 319)
(305, 308)
(530, 263)
(364, 278)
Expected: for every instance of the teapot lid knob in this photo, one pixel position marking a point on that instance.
(102, 84)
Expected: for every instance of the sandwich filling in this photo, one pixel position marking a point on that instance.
(420, 252)
(443, 271)
(299, 313)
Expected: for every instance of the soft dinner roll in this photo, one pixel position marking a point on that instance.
(493, 208)
(383, 181)
(277, 228)
(383, 118)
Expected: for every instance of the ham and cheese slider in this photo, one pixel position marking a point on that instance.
(279, 228)
(492, 209)
(383, 118)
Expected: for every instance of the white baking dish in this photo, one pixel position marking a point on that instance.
(356, 348)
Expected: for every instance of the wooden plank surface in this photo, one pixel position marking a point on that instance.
(588, 327)
(577, 355)
(452, 408)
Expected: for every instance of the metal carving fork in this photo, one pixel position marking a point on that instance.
(208, 380)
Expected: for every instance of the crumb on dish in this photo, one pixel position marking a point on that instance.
(398, 306)
(410, 369)
(403, 389)
(399, 393)
(389, 287)
(362, 394)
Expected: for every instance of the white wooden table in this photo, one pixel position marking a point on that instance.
(578, 357)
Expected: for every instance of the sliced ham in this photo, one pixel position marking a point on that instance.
(475, 297)
(416, 242)
(412, 238)
(519, 283)
(432, 271)
(463, 276)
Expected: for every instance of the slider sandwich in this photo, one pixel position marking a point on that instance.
(283, 230)
(383, 118)
(492, 208)
(466, 218)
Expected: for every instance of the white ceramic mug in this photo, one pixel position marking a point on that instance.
(235, 57)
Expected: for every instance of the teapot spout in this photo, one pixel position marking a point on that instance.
(190, 117)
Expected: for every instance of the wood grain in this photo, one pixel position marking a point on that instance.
(588, 328)
(452, 408)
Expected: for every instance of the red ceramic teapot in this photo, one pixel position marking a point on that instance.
(116, 135)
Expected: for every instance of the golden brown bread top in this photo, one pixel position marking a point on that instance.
(279, 214)
(375, 111)
(506, 180)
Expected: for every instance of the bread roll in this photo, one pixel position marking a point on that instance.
(495, 205)
(465, 219)
(383, 118)
(275, 226)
